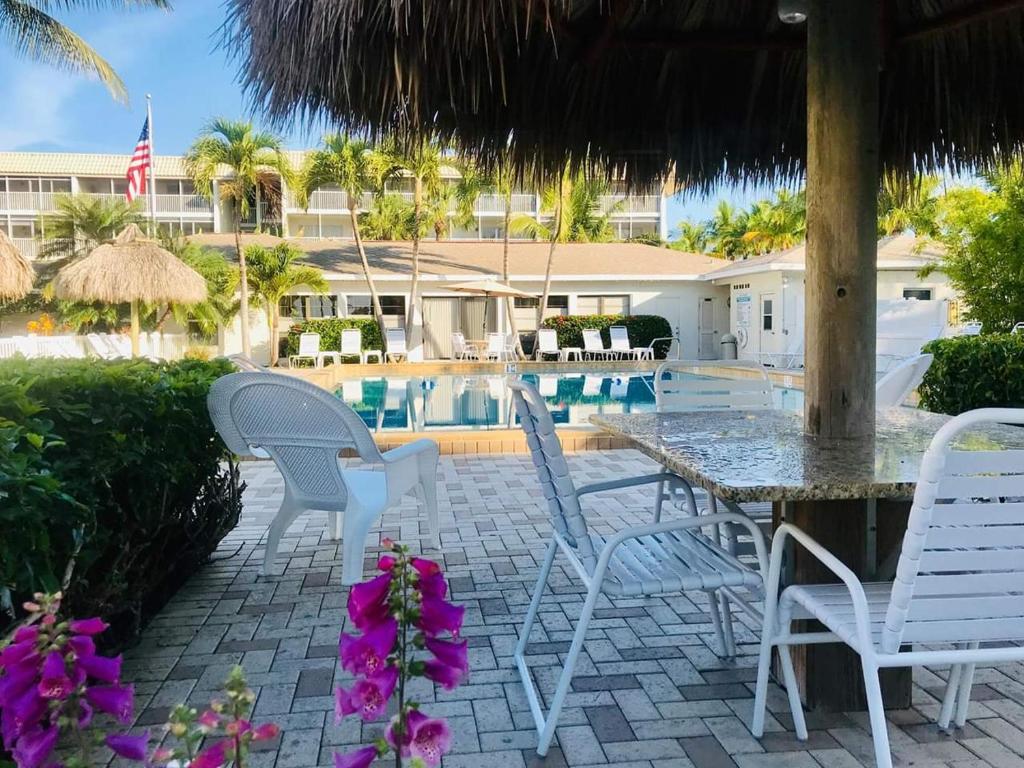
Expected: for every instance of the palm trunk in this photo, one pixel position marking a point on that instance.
(417, 206)
(510, 303)
(272, 321)
(243, 277)
(556, 232)
(378, 313)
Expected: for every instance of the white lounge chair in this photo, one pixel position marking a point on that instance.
(971, 329)
(461, 350)
(957, 586)
(303, 428)
(895, 387)
(547, 385)
(309, 349)
(352, 344)
(621, 346)
(593, 346)
(547, 344)
(592, 386)
(244, 363)
(394, 339)
(497, 349)
(660, 559)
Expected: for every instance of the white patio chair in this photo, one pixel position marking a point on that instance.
(510, 347)
(303, 428)
(593, 346)
(895, 387)
(244, 363)
(547, 344)
(309, 349)
(620, 345)
(461, 350)
(972, 328)
(352, 344)
(1017, 328)
(496, 347)
(958, 583)
(663, 558)
(394, 339)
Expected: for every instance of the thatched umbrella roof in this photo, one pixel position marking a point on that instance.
(712, 88)
(131, 268)
(16, 273)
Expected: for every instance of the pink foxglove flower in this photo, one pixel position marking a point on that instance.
(430, 738)
(368, 696)
(17, 680)
(453, 654)
(129, 746)
(447, 677)
(116, 700)
(93, 626)
(35, 746)
(102, 668)
(439, 616)
(209, 719)
(213, 756)
(82, 645)
(367, 654)
(368, 601)
(265, 732)
(386, 563)
(425, 567)
(361, 758)
(55, 683)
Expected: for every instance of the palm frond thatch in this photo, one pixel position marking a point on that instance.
(16, 273)
(130, 269)
(712, 88)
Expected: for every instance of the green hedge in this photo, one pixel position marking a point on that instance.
(974, 372)
(330, 329)
(114, 467)
(642, 329)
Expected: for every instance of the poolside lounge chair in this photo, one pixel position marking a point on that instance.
(461, 350)
(309, 349)
(655, 560)
(352, 344)
(593, 346)
(547, 385)
(303, 428)
(547, 344)
(971, 329)
(957, 585)
(621, 346)
(895, 387)
(497, 347)
(396, 346)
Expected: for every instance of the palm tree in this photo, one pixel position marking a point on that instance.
(693, 237)
(727, 228)
(773, 225)
(82, 222)
(35, 34)
(256, 161)
(273, 272)
(390, 218)
(907, 204)
(221, 287)
(349, 163)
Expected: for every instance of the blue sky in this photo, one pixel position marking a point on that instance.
(175, 57)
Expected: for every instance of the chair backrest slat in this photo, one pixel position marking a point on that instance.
(351, 341)
(961, 570)
(395, 338)
(547, 338)
(620, 338)
(552, 469)
(495, 344)
(309, 343)
(680, 385)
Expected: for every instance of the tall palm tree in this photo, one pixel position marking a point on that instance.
(82, 222)
(694, 237)
(256, 161)
(776, 224)
(273, 272)
(33, 33)
(908, 204)
(727, 228)
(349, 163)
(389, 218)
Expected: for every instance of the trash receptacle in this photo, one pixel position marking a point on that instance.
(728, 347)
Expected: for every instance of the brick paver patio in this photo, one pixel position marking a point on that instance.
(649, 690)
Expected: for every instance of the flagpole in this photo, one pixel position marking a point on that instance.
(152, 166)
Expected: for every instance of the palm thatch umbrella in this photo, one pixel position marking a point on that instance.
(16, 273)
(131, 269)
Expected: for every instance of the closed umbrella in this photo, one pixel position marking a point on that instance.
(16, 272)
(490, 289)
(131, 269)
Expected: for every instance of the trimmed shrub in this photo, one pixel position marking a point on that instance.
(974, 372)
(643, 329)
(330, 329)
(112, 480)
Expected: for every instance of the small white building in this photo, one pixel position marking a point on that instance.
(766, 300)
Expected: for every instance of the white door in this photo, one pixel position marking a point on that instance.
(769, 326)
(707, 334)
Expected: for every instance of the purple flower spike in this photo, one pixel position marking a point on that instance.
(26, 634)
(82, 645)
(26, 713)
(368, 601)
(102, 668)
(18, 652)
(116, 700)
(361, 758)
(433, 586)
(438, 616)
(128, 746)
(447, 677)
(430, 738)
(35, 746)
(17, 680)
(367, 655)
(91, 626)
(369, 697)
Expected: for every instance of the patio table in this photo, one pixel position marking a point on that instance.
(853, 495)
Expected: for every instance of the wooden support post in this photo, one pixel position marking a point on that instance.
(842, 185)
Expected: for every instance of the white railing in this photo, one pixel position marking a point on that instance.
(189, 205)
(266, 216)
(325, 200)
(167, 346)
(28, 201)
(623, 204)
(28, 246)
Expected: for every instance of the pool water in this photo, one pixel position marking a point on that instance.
(484, 402)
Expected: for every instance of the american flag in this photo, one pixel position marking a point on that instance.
(139, 165)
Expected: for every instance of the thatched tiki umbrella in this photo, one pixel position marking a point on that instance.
(714, 89)
(131, 269)
(16, 273)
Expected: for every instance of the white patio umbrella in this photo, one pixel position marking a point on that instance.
(490, 289)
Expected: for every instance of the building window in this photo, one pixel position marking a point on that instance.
(602, 305)
(389, 305)
(308, 307)
(921, 294)
(554, 302)
(767, 314)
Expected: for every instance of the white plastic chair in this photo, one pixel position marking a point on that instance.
(309, 349)
(303, 428)
(394, 339)
(461, 350)
(496, 347)
(244, 363)
(663, 558)
(958, 582)
(895, 387)
(547, 344)
(593, 346)
(1017, 328)
(972, 328)
(351, 345)
(621, 346)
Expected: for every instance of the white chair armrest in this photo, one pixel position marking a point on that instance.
(626, 482)
(409, 450)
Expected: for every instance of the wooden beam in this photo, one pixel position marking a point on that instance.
(843, 54)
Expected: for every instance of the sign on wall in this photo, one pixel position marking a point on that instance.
(743, 305)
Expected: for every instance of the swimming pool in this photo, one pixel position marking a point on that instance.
(484, 402)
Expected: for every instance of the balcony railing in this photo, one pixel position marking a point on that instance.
(266, 216)
(187, 205)
(28, 246)
(33, 202)
(622, 204)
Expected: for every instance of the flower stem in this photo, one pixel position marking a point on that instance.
(402, 669)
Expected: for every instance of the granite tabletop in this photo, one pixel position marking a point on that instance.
(764, 455)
